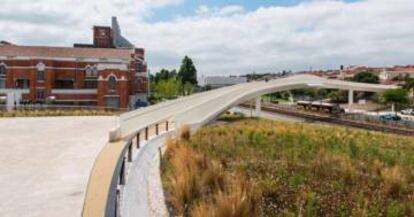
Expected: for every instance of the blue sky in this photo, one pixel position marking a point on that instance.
(188, 7)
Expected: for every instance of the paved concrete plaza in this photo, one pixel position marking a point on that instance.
(45, 163)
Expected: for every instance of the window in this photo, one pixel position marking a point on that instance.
(91, 71)
(138, 65)
(40, 75)
(91, 84)
(2, 76)
(62, 83)
(2, 70)
(112, 83)
(40, 94)
(22, 84)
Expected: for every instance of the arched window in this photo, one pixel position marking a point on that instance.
(2, 69)
(88, 71)
(112, 83)
(40, 75)
(95, 71)
(91, 71)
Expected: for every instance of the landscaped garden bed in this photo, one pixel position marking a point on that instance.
(268, 168)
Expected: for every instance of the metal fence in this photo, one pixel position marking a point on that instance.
(48, 107)
(376, 119)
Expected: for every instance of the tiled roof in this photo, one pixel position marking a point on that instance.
(64, 52)
(404, 69)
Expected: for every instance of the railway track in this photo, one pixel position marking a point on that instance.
(337, 121)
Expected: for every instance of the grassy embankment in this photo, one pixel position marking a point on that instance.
(267, 168)
(55, 112)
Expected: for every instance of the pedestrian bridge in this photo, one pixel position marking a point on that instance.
(113, 189)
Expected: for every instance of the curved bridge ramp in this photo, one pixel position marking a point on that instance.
(195, 110)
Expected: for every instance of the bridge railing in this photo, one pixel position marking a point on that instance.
(110, 171)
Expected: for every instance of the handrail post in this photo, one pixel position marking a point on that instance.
(146, 133)
(138, 140)
(118, 199)
(122, 173)
(156, 129)
(166, 126)
(130, 152)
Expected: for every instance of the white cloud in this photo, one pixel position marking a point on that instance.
(230, 40)
(231, 9)
(205, 11)
(202, 10)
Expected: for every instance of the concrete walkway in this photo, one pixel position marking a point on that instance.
(45, 163)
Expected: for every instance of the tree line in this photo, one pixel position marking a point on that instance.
(170, 84)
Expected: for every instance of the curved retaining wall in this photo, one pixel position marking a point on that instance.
(143, 195)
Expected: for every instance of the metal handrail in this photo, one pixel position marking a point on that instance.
(109, 205)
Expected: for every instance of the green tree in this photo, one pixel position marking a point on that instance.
(164, 74)
(399, 97)
(366, 77)
(188, 89)
(167, 89)
(409, 84)
(188, 72)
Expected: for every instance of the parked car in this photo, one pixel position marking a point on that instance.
(273, 101)
(238, 113)
(408, 111)
(390, 117)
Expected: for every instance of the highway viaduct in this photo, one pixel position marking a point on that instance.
(120, 183)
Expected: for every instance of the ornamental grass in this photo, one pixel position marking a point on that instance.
(269, 168)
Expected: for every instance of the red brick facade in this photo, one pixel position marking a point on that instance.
(102, 37)
(79, 75)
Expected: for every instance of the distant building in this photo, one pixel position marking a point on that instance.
(397, 73)
(111, 72)
(220, 81)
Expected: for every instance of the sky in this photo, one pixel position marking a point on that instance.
(228, 37)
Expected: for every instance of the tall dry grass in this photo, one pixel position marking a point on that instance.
(394, 181)
(289, 170)
(192, 177)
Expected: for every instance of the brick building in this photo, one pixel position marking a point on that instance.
(111, 72)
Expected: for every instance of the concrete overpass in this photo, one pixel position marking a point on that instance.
(111, 193)
(202, 107)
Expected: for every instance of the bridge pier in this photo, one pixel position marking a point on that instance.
(258, 107)
(350, 99)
